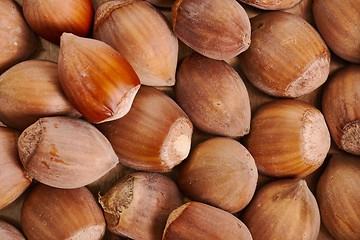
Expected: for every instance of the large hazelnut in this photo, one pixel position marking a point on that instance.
(338, 195)
(218, 29)
(65, 152)
(220, 172)
(31, 90)
(55, 214)
(287, 56)
(283, 209)
(288, 138)
(17, 41)
(50, 19)
(13, 178)
(195, 220)
(213, 95)
(154, 136)
(98, 80)
(338, 23)
(138, 205)
(340, 105)
(143, 36)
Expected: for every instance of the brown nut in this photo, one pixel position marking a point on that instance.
(55, 214)
(154, 136)
(220, 172)
(283, 209)
(218, 29)
(17, 42)
(142, 35)
(138, 205)
(195, 220)
(30, 90)
(289, 138)
(272, 4)
(9, 232)
(338, 195)
(213, 95)
(50, 19)
(338, 23)
(341, 108)
(13, 179)
(65, 152)
(287, 57)
(97, 80)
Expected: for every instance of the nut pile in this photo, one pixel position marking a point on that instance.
(180, 119)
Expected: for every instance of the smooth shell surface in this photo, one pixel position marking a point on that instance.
(143, 36)
(220, 172)
(338, 23)
(218, 29)
(287, 56)
(338, 195)
(340, 105)
(55, 214)
(65, 152)
(289, 138)
(214, 96)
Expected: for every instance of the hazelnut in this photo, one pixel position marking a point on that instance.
(31, 90)
(141, 34)
(195, 220)
(18, 41)
(218, 29)
(338, 195)
(338, 23)
(13, 179)
(55, 214)
(138, 205)
(287, 56)
(97, 80)
(288, 138)
(283, 209)
(341, 108)
(65, 152)
(220, 172)
(50, 19)
(154, 136)
(213, 95)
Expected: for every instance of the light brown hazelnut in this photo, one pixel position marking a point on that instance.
(338, 23)
(18, 41)
(288, 138)
(50, 19)
(31, 90)
(65, 152)
(218, 29)
(213, 95)
(138, 205)
(97, 80)
(287, 56)
(55, 214)
(220, 172)
(340, 106)
(13, 178)
(154, 136)
(140, 33)
(283, 209)
(338, 195)
(195, 220)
